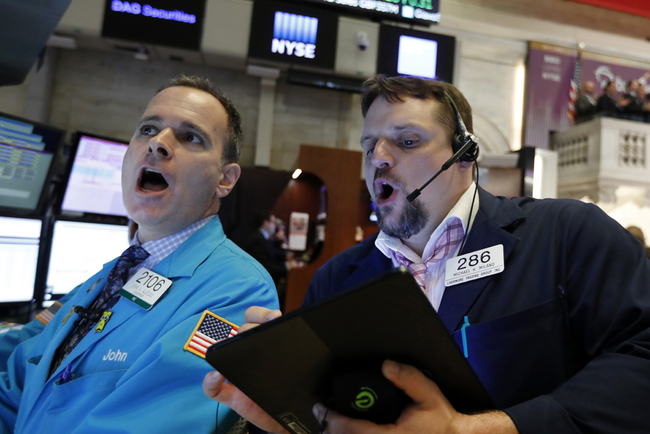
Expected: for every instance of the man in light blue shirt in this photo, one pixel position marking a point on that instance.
(131, 361)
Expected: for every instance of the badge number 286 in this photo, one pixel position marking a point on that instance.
(474, 265)
(473, 260)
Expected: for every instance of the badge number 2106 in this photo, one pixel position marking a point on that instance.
(151, 281)
(145, 288)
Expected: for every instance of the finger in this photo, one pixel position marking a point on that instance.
(216, 388)
(413, 382)
(339, 424)
(245, 327)
(260, 315)
(213, 386)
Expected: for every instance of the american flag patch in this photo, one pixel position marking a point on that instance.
(46, 316)
(210, 330)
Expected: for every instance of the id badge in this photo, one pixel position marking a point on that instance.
(145, 288)
(474, 265)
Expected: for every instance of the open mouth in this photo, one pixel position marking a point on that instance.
(152, 181)
(384, 190)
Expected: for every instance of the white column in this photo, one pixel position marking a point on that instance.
(39, 88)
(265, 122)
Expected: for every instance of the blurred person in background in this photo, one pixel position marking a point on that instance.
(586, 104)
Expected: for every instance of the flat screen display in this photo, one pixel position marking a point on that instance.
(94, 183)
(422, 11)
(19, 241)
(26, 153)
(79, 250)
(291, 34)
(173, 23)
(412, 52)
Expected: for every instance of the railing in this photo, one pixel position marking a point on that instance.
(597, 157)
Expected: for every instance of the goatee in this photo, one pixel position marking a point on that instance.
(411, 221)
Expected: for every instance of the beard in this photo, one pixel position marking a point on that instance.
(412, 220)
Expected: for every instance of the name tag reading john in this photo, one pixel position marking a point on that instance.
(145, 288)
(475, 265)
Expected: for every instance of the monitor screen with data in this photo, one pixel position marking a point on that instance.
(79, 250)
(424, 12)
(94, 182)
(27, 150)
(19, 242)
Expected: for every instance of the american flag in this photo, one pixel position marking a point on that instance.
(575, 87)
(209, 330)
(46, 316)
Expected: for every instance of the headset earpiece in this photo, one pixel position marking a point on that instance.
(464, 145)
(462, 136)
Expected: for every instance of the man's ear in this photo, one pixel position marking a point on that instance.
(230, 173)
(465, 165)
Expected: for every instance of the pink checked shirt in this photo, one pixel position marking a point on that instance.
(443, 244)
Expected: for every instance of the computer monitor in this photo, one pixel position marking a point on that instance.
(19, 241)
(416, 53)
(79, 250)
(27, 150)
(422, 12)
(93, 175)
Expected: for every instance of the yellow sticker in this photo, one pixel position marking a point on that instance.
(103, 320)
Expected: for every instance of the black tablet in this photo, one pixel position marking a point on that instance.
(293, 362)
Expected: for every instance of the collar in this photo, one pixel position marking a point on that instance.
(461, 211)
(163, 247)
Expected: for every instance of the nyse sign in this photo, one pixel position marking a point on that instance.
(294, 35)
(297, 49)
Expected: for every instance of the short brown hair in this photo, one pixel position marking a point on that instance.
(233, 140)
(394, 89)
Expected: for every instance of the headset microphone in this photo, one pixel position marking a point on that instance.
(411, 197)
(464, 145)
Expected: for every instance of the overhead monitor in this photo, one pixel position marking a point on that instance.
(413, 11)
(19, 241)
(94, 176)
(27, 150)
(173, 23)
(25, 28)
(286, 33)
(417, 53)
(79, 250)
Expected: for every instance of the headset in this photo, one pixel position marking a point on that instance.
(463, 143)
(463, 139)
